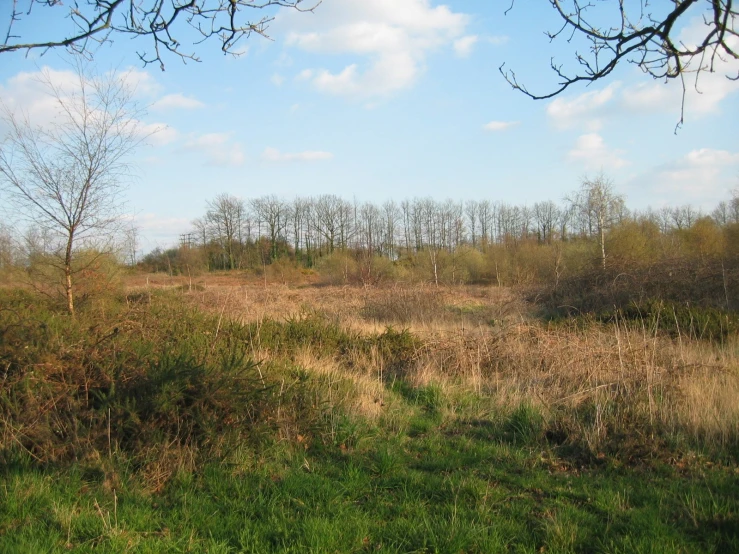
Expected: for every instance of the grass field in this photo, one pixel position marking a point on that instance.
(219, 415)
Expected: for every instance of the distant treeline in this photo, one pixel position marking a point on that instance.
(447, 241)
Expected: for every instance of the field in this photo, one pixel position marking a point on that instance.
(220, 414)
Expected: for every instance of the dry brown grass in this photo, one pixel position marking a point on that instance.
(599, 382)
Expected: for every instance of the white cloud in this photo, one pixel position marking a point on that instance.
(217, 149)
(158, 230)
(304, 75)
(159, 134)
(389, 41)
(500, 125)
(274, 155)
(27, 93)
(143, 82)
(277, 79)
(700, 178)
(704, 91)
(497, 39)
(586, 109)
(648, 97)
(175, 102)
(592, 152)
(463, 46)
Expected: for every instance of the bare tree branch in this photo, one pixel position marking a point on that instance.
(641, 33)
(162, 21)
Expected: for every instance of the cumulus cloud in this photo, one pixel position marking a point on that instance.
(463, 46)
(141, 81)
(585, 109)
(274, 155)
(592, 152)
(388, 40)
(499, 125)
(698, 171)
(158, 230)
(704, 92)
(700, 178)
(217, 148)
(497, 39)
(159, 134)
(176, 101)
(27, 93)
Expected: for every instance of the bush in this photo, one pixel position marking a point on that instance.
(685, 320)
(146, 385)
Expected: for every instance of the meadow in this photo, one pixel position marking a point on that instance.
(226, 414)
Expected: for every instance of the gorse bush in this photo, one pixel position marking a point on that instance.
(136, 383)
(680, 320)
(154, 382)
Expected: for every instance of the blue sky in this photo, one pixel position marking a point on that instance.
(381, 99)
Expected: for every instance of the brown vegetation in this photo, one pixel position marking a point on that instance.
(624, 386)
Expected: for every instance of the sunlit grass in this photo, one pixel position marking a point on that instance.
(153, 425)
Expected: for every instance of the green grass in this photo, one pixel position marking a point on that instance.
(449, 490)
(149, 428)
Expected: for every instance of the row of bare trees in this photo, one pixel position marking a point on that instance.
(312, 227)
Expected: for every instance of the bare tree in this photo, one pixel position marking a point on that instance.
(273, 211)
(225, 216)
(65, 177)
(644, 33)
(734, 206)
(164, 22)
(684, 216)
(391, 215)
(130, 244)
(599, 205)
(8, 248)
(330, 213)
(546, 215)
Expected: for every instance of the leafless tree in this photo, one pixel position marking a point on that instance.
(470, 210)
(734, 206)
(130, 244)
(225, 217)
(391, 215)
(546, 215)
(330, 213)
(640, 32)
(299, 215)
(684, 216)
(65, 177)
(273, 212)
(486, 216)
(8, 247)
(599, 205)
(167, 23)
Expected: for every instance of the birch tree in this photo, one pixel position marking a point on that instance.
(65, 177)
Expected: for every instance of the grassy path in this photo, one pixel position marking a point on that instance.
(441, 490)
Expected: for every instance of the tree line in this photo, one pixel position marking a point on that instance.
(315, 232)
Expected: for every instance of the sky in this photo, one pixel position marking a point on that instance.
(392, 99)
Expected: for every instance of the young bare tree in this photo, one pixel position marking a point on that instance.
(65, 177)
(599, 205)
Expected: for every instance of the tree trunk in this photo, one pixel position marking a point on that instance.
(602, 243)
(68, 275)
